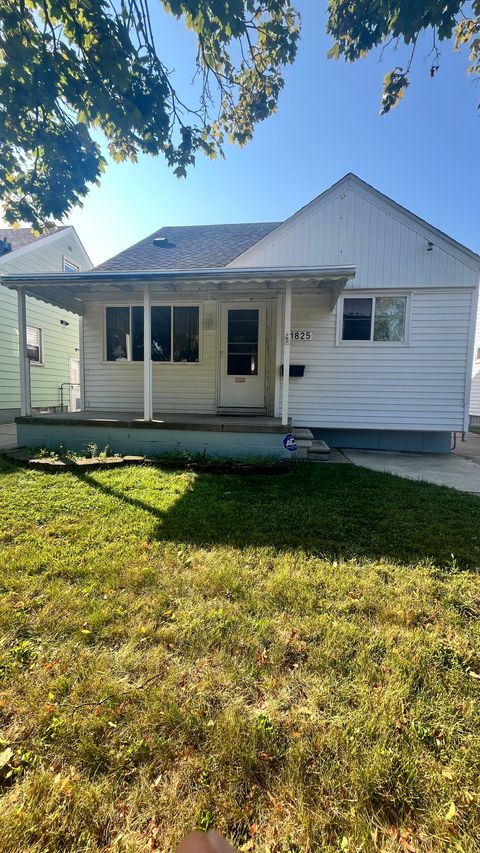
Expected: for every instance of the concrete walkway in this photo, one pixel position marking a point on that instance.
(8, 436)
(452, 470)
(469, 449)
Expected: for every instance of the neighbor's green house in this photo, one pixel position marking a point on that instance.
(52, 333)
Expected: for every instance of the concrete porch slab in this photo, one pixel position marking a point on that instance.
(161, 421)
(454, 471)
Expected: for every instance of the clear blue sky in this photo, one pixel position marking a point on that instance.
(424, 154)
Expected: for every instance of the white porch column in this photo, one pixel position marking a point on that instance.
(24, 363)
(147, 355)
(286, 352)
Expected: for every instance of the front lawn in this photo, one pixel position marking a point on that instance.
(293, 659)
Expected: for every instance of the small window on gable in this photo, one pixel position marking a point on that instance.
(477, 355)
(374, 318)
(69, 266)
(34, 345)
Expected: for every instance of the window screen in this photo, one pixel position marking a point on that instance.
(390, 318)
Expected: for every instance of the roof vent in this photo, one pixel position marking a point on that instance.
(5, 246)
(161, 242)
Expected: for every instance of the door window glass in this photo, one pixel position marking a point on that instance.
(242, 344)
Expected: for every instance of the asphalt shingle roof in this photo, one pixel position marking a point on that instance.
(190, 247)
(20, 237)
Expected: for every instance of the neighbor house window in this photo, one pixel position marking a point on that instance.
(175, 333)
(69, 266)
(374, 318)
(34, 345)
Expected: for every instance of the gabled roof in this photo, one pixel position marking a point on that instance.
(350, 180)
(190, 247)
(20, 237)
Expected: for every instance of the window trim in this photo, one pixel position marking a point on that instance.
(372, 294)
(154, 304)
(66, 260)
(40, 362)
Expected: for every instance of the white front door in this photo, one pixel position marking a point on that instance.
(242, 366)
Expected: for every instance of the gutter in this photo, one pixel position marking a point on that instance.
(304, 273)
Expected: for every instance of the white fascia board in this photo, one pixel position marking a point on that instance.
(88, 264)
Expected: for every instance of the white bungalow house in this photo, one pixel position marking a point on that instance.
(52, 333)
(353, 320)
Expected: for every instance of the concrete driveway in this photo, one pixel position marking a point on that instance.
(459, 470)
(8, 436)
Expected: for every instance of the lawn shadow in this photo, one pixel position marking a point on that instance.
(7, 467)
(333, 511)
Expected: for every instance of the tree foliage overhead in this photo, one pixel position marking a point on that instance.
(71, 67)
(358, 26)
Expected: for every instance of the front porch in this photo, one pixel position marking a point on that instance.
(129, 432)
(178, 360)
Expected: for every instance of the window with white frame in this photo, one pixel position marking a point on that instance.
(374, 318)
(174, 338)
(69, 266)
(34, 345)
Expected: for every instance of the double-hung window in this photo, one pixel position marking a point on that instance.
(374, 318)
(174, 338)
(34, 345)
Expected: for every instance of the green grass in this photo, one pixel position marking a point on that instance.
(292, 659)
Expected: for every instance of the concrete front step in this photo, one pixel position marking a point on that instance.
(302, 434)
(318, 450)
(303, 438)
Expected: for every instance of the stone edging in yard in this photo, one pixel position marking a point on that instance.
(22, 457)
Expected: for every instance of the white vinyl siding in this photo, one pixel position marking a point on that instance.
(177, 387)
(353, 225)
(420, 386)
(475, 391)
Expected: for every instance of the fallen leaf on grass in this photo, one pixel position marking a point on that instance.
(5, 756)
(452, 811)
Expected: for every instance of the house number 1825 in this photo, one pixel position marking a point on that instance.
(300, 335)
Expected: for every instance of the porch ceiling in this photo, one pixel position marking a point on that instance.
(71, 290)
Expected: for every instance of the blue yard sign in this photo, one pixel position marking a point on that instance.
(289, 442)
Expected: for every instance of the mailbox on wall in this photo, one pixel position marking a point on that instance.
(295, 370)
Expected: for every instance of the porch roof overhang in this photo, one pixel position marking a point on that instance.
(70, 290)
